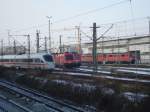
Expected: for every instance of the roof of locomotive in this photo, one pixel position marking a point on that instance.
(67, 53)
(63, 53)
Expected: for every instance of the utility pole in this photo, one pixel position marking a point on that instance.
(95, 47)
(79, 39)
(28, 39)
(15, 52)
(37, 39)
(63, 48)
(9, 37)
(149, 37)
(128, 48)
(103, 56)
(95, 39)
(149, 24)
(49, 32)
(118, 51)
(2, 50)
(45, 43)
(60, 46)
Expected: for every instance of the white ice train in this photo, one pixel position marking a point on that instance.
(37, 60)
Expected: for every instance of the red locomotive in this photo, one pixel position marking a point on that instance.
(76, 59)
(130, 57)
(67, 59)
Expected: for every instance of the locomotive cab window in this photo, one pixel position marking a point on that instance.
(69, 57)
(48, 58)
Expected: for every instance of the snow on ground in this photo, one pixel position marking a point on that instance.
(108, 91)
(60, 81)
(84, 85)
(87, 86)
(134, 96)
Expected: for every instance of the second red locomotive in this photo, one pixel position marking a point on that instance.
(130, 57)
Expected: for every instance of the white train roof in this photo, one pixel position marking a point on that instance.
(23, 56)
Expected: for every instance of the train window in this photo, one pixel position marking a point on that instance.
(104, 55)
(24, 60)
(76, 56)
(20, 60)
(30, 60)
(5, 60)
(69, 57)
(122, 55)
(48, 58)
(11, 60)
(41, 61)
(37, 60)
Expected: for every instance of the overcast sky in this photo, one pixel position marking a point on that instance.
(25, 16)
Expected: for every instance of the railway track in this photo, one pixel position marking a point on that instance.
(51, 103)
(108, 70)
(7, 105)
(106, 73)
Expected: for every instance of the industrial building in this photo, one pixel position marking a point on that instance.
(120, 45)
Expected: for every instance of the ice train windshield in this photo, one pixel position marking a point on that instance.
(48, 58)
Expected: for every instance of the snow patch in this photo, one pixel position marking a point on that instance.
(134, 96)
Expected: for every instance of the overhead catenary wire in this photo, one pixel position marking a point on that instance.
(91, 11)
(77, 15)
(90, 37)
(105, 32)
(72, 28)
(132, 16)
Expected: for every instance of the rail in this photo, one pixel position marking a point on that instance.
(13, 103)
(52, 103)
